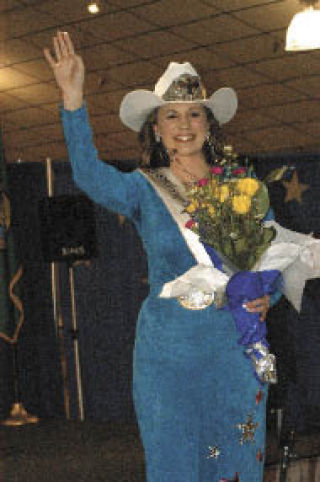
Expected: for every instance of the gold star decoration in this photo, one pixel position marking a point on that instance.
(214, 452)
(248, 430)
(121, 219)
(294, 188)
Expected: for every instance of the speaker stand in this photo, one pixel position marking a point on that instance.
(18, 414)
(75, 337)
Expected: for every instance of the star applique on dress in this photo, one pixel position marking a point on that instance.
(248, 430)
(214, 452)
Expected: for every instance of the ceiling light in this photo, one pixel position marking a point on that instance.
(304, 30)
(93, 8)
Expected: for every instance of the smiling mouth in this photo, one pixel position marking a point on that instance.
(184, 138)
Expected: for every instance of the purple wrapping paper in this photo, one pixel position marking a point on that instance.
(247, 286)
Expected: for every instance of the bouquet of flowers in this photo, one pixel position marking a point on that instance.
(240, 254)
(226, 211)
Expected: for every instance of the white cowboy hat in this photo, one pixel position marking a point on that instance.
(179, 83)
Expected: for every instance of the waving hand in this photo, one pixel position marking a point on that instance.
(68, 69)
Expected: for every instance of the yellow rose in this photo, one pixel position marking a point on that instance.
(241, 204)
(248, 186)
(211, 210)
(223, 193)
(193, 206)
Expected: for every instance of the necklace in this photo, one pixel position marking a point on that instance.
(192, 178)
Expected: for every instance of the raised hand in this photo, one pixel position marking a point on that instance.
(68, 69)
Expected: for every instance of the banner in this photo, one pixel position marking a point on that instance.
(11, 308)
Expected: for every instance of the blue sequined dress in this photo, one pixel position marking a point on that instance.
(201, 411)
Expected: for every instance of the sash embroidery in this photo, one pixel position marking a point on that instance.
(172, 193)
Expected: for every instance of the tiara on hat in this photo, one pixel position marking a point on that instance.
(179, 83)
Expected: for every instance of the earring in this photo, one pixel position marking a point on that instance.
(157, 137)
(209, 139)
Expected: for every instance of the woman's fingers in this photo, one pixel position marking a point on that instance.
(63, 47)
(57, 49)
(68, 43)
(49, 58)
(260, 305)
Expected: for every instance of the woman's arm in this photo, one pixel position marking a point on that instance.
(103, 183)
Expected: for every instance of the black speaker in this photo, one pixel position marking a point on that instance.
(67, 228)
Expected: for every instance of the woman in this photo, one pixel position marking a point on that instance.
(201, 411)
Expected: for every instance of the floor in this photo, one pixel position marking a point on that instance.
(60, 451)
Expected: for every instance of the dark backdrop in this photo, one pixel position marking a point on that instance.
(109, 291)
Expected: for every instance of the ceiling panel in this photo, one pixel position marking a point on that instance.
(105, 103)
(172, 12)
(131, 3)
(8, 103)
(220, 28)
(36, 153)
(239, 43)
(135, 74)
(9, 5)
(106, 123)
(201, 58)
(21, 138)
(253, 49)
(282, 137)
(26, 21)
(39, 69)
(25, 118)
(11, 78)
(71, 10)
(232, 5)
(37, 93)
(267, 95)
(269, 17)
(245, 121)
(236, 77)
(115, 26)
(18, 50)
(154, 44)
(103, 55)
(311, 128)
(289, 66)
(293, 112)
(309, 85)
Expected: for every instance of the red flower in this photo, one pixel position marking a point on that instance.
(202, 182)
(239, 170)
(190, 223)
(216, 170)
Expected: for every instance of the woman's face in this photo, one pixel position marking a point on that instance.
(182, 127)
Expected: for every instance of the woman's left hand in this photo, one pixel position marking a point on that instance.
(260, 305)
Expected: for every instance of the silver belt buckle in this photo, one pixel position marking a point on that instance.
(197, 300)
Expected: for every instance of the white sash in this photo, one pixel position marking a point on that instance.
(175, 208)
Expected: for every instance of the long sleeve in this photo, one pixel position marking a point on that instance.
(102, 182)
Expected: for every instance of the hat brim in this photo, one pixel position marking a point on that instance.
(138, 104)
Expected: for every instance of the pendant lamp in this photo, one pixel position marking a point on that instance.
(304, 30)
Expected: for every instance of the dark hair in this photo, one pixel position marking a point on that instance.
(154, 154)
